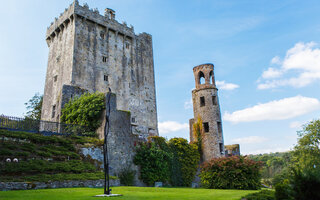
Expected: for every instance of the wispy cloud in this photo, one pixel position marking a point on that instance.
(172, 126)
(226, 86)
(269, 150)
(188, 104)
(303, 60)
(275, 110)
(250, 140)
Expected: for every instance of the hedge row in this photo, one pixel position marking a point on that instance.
(236, 172)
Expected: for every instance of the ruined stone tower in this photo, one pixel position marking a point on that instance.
(89, 52)
(206, 106)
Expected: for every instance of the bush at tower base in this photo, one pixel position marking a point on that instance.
(236, 172)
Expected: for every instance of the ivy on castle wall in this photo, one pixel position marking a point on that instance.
(85, 110)
(197, 135)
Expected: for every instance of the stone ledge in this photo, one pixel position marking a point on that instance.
(4, 186)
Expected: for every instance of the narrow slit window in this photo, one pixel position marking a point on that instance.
(105, 78)
(104, 59)
(214, 100)
(221, 147)
(55, 78)
(53, 111)
(102, 35)
(133, 120)
(202, 102)
(219, 127)
(206, 127)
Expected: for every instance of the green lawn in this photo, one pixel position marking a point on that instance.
(127, 192)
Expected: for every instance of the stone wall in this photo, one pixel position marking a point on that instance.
(95, 52)
(4, 186)
(121, 140)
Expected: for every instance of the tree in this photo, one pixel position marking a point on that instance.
(307, 151)
(34, 106)
(303, 179)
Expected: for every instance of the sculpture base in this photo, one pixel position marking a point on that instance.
(108, 195)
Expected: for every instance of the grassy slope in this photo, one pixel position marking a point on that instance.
(44, 158)
(128, 192)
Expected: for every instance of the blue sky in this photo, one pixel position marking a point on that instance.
(266, 55)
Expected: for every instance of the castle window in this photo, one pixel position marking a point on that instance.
(53, 111)
(127, 45)
(206, 127)
(221, 147)
(102, 35)
(219, 127)
(202, 102)
(104, 59)
(201, 78)
(214, 100)
(55, 78)
(133, 120)
(211, 77)
(105, 78)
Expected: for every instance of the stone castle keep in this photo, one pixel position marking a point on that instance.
(206, 106)
(89, 52)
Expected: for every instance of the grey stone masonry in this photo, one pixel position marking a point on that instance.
(206, 106)
(5, 186)
(89, 52)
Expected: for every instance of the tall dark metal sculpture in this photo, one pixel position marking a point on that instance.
(107, 189)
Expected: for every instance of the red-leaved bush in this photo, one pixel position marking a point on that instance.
(236, 172)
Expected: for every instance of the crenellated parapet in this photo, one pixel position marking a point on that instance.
(75, 10)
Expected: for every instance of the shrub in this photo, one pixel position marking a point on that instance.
(153, 162)
(262, 195)
(175, 161)
(56, 177)
(185, 161)
(39, 166)
(305, 184)
(126, 177)
(234, 172)
(283, 190)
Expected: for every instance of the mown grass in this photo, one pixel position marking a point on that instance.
(130, 193)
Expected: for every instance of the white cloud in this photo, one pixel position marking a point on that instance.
(276, 60)
(226, 86)
(271, 73)
(188, 104)
(268, 150)
(250, 140)
(275, 110)
(296, 124)
(172, 126)
(303, 60)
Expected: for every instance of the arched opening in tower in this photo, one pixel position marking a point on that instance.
(201, 78)
(211, 77)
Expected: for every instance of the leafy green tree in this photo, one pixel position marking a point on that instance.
(85, 110)
(305, 170)
(307, 151)
(34, 106)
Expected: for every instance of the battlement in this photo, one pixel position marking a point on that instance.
(75, 10)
